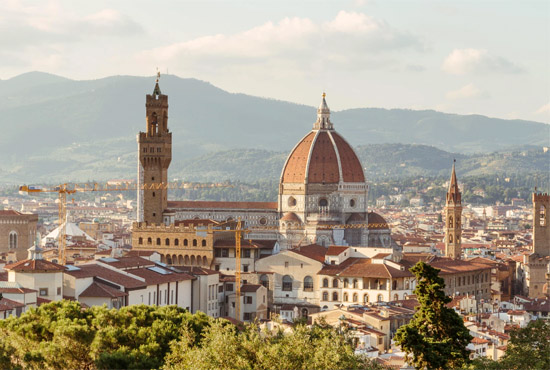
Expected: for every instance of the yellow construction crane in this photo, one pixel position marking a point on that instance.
(239, 231)
(71, 188)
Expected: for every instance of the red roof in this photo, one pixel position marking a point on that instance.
(313, 251)
(250, 288)
(334, 250)
(35, 266)
(8, 304)
(106, 274)
(477, 340)
(101, 290)
(324, 157)
(9, 212)
(194, 204)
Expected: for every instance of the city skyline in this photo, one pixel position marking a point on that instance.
(468, 58)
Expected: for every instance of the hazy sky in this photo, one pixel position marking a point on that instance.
(483, 57)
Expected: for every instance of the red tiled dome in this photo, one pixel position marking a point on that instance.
(376, 221)
(322, 157)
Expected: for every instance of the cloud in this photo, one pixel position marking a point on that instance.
(469, 91)
(349, 38)
(543, 110)
(464, 61)
(22, 25)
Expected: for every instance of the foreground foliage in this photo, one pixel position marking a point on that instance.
(63, 335)
(436, 337)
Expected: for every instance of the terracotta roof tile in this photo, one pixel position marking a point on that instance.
(250, 288)
(106, 274)
(8, 304)
(101, 290)
(335, 250)
(313, 251)
(35, 266)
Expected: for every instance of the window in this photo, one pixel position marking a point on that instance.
(217, 267)
(355, 284)
(229, 287)
(203, 242)
(323, 202)
(247, 316)
(325, 296)
(325, 283)
(43, 292)
(247, 300)
(346, 283)
(245, 268)
(542, 215)
(346, 297)
(140, 240)
(149, 241)
(380, 298)
(58, 290)
(220, 289)
(335, 283)
(246, 253)
(263, 221)
(158, 241)
(167, 241)
(394, 285)
(176, 242)
(334, 296)
(153, 194)
(194, 242)
(286, 264)
(355, 297)
(185, 243)
(352, 203)
(144, 150)
(380, 341)
(308, 284)
(287, 283)
(225, 252)
(264, 280)
(291, 202)
(13, 240)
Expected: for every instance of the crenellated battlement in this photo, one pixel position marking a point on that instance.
(541, 197)
(152, 227)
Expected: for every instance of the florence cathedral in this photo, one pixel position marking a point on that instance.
(322, 200)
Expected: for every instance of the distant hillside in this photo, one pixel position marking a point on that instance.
(57, 129)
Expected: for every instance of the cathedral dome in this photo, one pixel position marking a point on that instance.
(322, 156)
(375, 221)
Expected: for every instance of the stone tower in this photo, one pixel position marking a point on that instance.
(453, 214)
(541, 226)
(155, 155)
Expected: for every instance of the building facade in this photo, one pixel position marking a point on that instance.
(17, 234)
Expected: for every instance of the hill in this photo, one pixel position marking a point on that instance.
(57, 129)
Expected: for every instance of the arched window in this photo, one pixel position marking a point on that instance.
(149, 241)
(346, 297)
(167, 241)
(450, 238)
(140, 240)
(334, 296)
(185, 243)
(355, 284)
(355, 297)
(203, 243)
(346, 283)
(264, 280)
(194, 242)
(168, 259)
(396, 297)
(365, 298)
(450, 221)
(158, 241)
(407, 284)
(305, 312)
(405, 295)
(325, 283)
(176, 242)
(542, 214)
(308, 284)
(323, 202)
(380, 298)
(287, 283)
(325, 296)
(13, 240)
(335, 283)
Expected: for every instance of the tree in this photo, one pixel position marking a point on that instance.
(436, 337)
(529, 347)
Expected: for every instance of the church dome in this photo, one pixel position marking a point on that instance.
(322, 156)
(375, 221)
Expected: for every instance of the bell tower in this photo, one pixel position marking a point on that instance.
(453, 215)
(155, 155)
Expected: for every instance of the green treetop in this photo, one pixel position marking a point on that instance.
(436, 337)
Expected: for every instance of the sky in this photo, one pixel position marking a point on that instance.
(466, 57)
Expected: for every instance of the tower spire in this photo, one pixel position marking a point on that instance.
(323, 116)
(453, 195)
(156, 91)
(453, 215)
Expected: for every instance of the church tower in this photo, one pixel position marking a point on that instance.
(155, 155)
(541, 227)
(453, 214)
